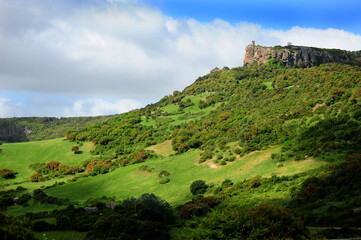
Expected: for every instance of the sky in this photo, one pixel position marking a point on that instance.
(66, 58)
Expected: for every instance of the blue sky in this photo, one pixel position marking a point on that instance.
(80, 58)
(270, 14)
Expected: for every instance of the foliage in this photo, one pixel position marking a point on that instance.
(15, 228)
(164, 180)
(197, 207)
(7, 173)
(149, 201)
(261, 222)
(255, 182)
(40, 196)
(338, 183)
(41, 128)
(75, 149)
(36, 177)
(198, 187)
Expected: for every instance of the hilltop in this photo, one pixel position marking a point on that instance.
(263, 141)
(299, 56)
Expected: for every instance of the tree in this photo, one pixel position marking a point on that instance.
(36, 177)
(7, 173)
(198, 187)
(75, 149)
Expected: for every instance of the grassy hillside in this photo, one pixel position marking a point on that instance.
(184, 169)
(256, 135)
(18, 156)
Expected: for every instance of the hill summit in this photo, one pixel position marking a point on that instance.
(299, 56)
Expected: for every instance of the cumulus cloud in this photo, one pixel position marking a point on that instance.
(98, 106)
(124, 49)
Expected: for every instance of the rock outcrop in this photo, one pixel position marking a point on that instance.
(14, 133)
(299, 56)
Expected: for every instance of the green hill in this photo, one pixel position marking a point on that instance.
(256, 135)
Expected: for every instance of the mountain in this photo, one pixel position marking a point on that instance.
(248, 150)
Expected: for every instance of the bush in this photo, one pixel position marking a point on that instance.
(255, 182)
(198, 187)
(151, 202)
(7, 173)
(164, 173)
(261, 222)
(36, 177)
(75, 149)
(237, 150)
(197, 208)
(164, 180)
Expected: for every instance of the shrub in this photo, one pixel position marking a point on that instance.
(255, 182)
(237, 150)
(72, 170)
(140, 157)
(75, 149)
(151, 202)
(227, 183)
(197, 208)
(261, 222)
(164, 180)
(205, 155)
(164, 173)
(193, 209)
(125, 162)
(7, 173)
(198, 187)
(36, 177)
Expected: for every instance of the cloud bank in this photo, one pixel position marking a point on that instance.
(121, 49)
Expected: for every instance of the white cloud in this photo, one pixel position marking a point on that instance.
(330, 38)
(125, 50)
(97, 106)
(5, 107)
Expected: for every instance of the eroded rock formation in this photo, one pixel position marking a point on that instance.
(299, 56)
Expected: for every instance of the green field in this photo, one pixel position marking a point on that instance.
(18, 156)
(188, 114)
(130, 181)
(184, 169)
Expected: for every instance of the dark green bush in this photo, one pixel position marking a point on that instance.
(198, 187)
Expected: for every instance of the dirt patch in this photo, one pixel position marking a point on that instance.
(164, 149)
(255, 161)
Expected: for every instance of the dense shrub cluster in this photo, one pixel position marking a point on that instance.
(197, 207)
(51, 169)
(338, 183)
(40, 196)
(15, 228)
(261, 222)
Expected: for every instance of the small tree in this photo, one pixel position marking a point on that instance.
(7, 173)
(36, 177)
(75, 149)
(198, 187)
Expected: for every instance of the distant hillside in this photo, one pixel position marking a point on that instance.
(299, 56)
(253, 107)
(40, 128)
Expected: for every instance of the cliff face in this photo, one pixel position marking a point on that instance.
(299, 56)
(14, 133)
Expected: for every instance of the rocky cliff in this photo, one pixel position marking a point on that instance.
(14, 133)
(299, 56)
